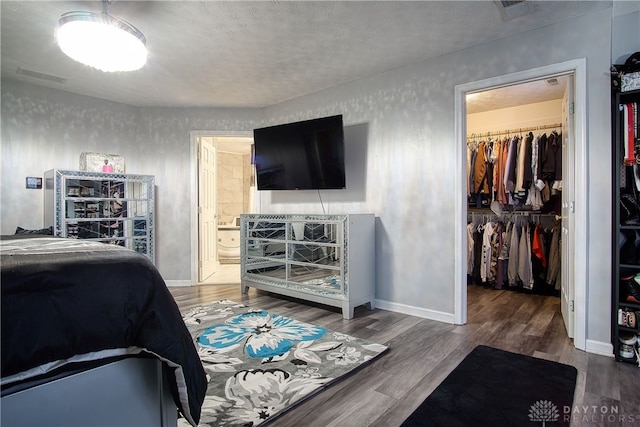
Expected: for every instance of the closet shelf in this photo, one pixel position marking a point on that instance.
(627, 329)
(626, 304)
(630, 266)
(630, 227)
(514, 131)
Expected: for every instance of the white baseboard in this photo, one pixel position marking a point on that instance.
(598, 347)
(415, 311)
(178, 283)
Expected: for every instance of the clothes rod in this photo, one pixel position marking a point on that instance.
(474, 217)
(512, 213)
(514, 131)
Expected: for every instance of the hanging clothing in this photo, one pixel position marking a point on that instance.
(513, 256)
(516, 254)
(470, 248)
(524, 259)
(515, 175)
(503, 257)
(553, 270)
(510, 169)
(538, 246)
(480, 178)
(472, 153)
(557, 184)
(496, 246)
(548, 159)
(520, 167)
(485, 263)
(522, 172)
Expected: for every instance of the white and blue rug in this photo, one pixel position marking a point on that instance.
(260, 364)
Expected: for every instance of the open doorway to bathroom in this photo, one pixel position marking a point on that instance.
(225, 190)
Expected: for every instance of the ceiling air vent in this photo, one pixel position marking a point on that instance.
(552, 81)
(41, 76)
(510, 9)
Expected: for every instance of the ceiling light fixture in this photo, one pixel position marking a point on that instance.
(102, 41)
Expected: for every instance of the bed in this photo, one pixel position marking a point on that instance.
(92, 336)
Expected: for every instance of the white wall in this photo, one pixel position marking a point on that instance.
(511, 119)
(400, 161)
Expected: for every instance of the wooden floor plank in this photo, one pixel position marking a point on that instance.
(423, 352)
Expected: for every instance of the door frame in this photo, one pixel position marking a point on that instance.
(207, 209)
(578, 68)
(193, 184)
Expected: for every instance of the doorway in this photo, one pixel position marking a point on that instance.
(224, 189)
(518, 203)
(573, 220)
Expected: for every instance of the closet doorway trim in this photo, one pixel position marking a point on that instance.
(578, 68)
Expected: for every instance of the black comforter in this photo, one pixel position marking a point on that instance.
(69, 300)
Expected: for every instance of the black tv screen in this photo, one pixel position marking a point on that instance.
(306, 155)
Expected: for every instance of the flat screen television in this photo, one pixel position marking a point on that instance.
(306, 155)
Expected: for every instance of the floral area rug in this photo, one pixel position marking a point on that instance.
(259, 363)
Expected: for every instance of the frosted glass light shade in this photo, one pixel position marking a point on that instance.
(101, 41)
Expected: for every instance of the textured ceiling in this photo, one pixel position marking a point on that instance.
(256, 54)
(523, 93)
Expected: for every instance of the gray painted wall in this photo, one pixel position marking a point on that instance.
(400, 158)
(44, 129)
(410, 162)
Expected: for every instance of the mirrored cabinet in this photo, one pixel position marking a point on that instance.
(328, 259)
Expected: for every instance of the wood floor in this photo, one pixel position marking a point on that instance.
(423, 352)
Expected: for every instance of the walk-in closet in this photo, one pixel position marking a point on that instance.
(514, 148)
